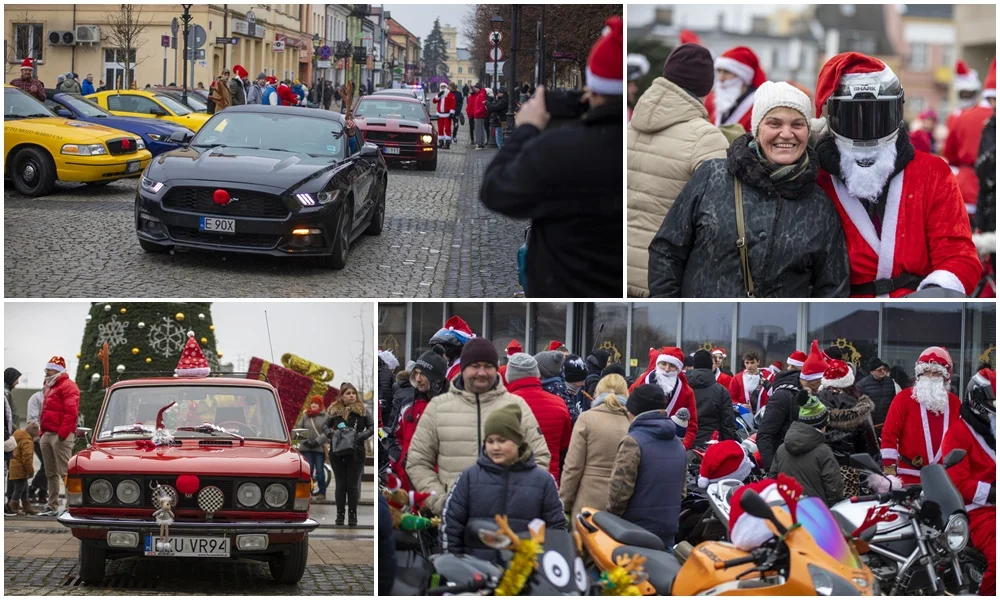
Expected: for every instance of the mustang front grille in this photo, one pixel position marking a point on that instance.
(243, 203)
(386, 136)
(246, 240)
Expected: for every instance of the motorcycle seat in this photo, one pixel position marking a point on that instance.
(661, 567)
(625, 532)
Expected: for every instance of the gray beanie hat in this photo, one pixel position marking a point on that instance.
(550, 363)
(521, 365)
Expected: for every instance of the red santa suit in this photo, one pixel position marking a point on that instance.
(723, 379)
(912, 435)
(740, 387)
(961, 148)
(406, 426)
(445, 104)
(742, 62)
(682, 396)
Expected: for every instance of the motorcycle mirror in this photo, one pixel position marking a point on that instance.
(868, 534)
(865, 462)
(753, 504)
(953, 458)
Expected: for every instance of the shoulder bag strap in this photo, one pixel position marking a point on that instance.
(741, 241)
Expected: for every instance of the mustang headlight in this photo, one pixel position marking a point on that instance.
(276, 495)
(100, 491)
(157, 137)
(317, 199)
(956, 533)
(248, 495)
(426, 139)
(84, 149)
(127, 491)
(827, 584)
(149, 185)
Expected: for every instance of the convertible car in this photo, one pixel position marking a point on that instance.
(401, 127)
(281, 181)
(156, 134)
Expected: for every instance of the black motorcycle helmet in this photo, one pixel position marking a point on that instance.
(980, 396)
(451, 343)
(866, 105)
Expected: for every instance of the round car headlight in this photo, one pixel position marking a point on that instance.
(276, 495)
(956, 533)
(127, 492)
(427, 139)
(248, 494)
(100, 491)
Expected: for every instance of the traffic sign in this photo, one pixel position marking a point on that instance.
(325, 52)
(496, 54)
(278, 46)
(165, 41)
(197, 37)
(199, 54)
(227, 40)
(175, 26)
(495, 38)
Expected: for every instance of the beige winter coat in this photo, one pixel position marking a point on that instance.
(591, 456)
(449, 437)
(668, 138)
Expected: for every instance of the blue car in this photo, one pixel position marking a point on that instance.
(156, 134)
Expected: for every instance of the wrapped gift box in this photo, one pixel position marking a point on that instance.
(296, 380)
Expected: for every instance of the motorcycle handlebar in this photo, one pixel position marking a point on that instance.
(475, 585)
(735, 562)
(876, 497)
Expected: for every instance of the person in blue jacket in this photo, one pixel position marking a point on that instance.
(504, 481)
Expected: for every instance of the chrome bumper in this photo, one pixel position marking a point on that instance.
(191, 527)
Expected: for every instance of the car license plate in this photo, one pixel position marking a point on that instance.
(218, 225)
(133, 165)
(390, 150)
(189, 546)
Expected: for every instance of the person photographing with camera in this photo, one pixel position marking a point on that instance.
(568, 180)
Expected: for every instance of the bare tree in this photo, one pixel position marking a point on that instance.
(126, 28)
(362, 368)
(10, 50)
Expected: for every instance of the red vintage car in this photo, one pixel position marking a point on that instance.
(401, 127)
(236, 486)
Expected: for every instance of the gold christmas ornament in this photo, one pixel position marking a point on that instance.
(135, 351)
(86, 367)
(179, 316)
(123, 310)
(211, 327)
(204, 341)
(219, 354)
(78, 355)
(148, 360)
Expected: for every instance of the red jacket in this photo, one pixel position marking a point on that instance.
(445, 105)
(922, 141)
(736, 388)
(723, 379)
(287, 96)
(977, 472)
(552, 416)
(961, 148)
(406, 426)
(905, 438)
(61, 407)
(683, 397)
(476, 108)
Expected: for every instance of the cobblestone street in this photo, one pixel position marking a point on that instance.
(438, 241)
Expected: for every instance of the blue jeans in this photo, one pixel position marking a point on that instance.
(498, 134)
(316, 469)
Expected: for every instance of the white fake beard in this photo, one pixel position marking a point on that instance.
(931, 393)
(667, 382)
(866, 183)
(964, 104)
(726, 95)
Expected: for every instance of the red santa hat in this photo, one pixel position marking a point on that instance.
(815, 365)
(725, 460)
(417, 499)
(27, 64)
(671, 355)
(845, 66)
(271, 80)
(742, 62)
(966, 79)
(555, 345)
(513, 348)
(393, 482)
(458, 325)
(56, 363)
(797, 359)
(192, 362)
(990, 85)
(605, 71)
(689, 37)
(239, 71)
(719, 351)
(934, 360)
(775, 367)
(838, 375)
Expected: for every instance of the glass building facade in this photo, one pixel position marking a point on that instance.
(894, 331)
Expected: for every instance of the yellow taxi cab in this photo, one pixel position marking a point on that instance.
(40, 148)
(149, 105)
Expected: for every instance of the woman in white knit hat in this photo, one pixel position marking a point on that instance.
(764, 194)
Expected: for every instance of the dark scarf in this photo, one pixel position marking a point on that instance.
(791, 182)
(979, 423)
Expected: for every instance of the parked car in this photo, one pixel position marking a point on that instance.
(275, 180)
(41, 148)
(197, 100)
(156, 134)
(149, 105)
(406, 93)
(235, 485)
(401, 127)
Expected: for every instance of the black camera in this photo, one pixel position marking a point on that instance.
(566, 104)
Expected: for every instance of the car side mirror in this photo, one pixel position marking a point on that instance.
(159, 112)
(84, 432)
(434, 117)
(64, 113)
(369, 150)
(865, 462)
(953, 458)
(180, 137)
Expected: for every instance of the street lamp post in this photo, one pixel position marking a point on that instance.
(497, 24)
(316, 42)
(186, 19)
(515, 39)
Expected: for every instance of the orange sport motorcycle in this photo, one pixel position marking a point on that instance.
(809, 555)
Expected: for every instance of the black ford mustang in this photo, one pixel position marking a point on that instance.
(276, 180)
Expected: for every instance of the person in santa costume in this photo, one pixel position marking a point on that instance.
(746, 385)
(453, 337)
(512, 348)
(975, 476)
(967, 86)
(28, 83)
(918, 420)
(961, 147)
(724, 460)
(901, 210)
(721, 375)
(445, 104)
(738, 75)
(666, 372)
(922, 136)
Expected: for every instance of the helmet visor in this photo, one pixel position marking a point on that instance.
(864, 119)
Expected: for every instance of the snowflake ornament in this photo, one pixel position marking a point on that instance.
(112, 332)
(166, 338)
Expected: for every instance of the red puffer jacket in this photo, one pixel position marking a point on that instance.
(287, 97)
(552, 416)
(477, 105)
(61, 407)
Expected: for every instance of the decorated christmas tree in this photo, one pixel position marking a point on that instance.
(145, 339)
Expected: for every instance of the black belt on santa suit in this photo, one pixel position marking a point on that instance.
(880, 287)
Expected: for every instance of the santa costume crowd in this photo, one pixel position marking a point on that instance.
(910, 213)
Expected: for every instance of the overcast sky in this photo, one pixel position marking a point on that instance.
(704, 16)
(419, 18)
(327, 333)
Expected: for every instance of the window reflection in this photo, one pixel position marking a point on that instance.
(608, 330)
(908, 329)
(508, 320)
(548, 320)
(653, 326)
(428, 317)
(392, 329)
(853, 327)
(767, 329)
(706, 326)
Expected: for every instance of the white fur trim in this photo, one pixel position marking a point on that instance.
(671, 360)
(750, 532)
(967, 83)
(890, 454)
(880, 485)
(982, 493)
(795, 363)
(990, 93)
(932, 457)
(844, 382)
(744, 72)
(945, 279)
(925, 367)
(55, 367)
(986, 242)
(885, 248)
(703, 482)
(604, 86)
(811, 376)
(197, 372)
(982, 444)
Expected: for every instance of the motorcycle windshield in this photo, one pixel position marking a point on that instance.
(817, 519)
(940, 490)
